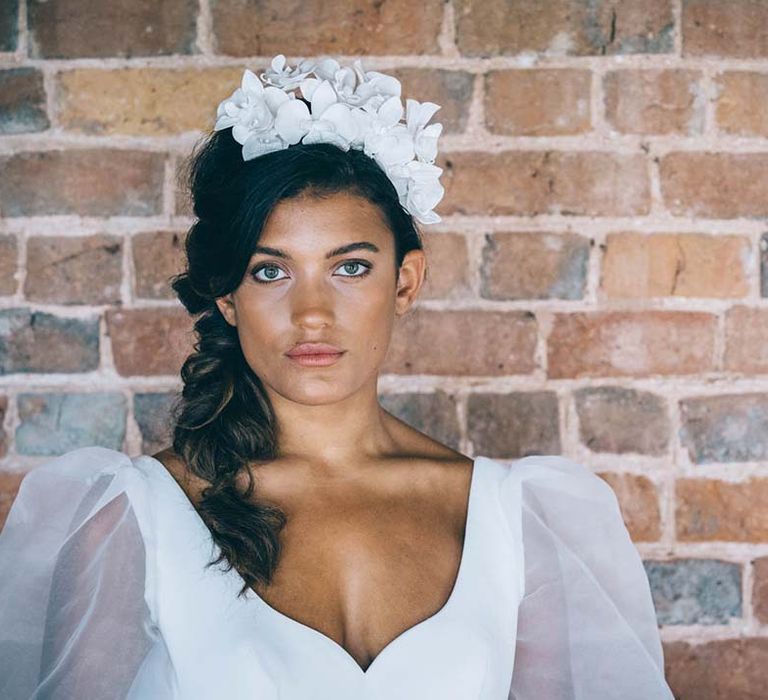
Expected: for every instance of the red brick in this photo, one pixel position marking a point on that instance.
(639, 503)
(447, 266)
(157, 256)
(717, 185)
(554, 267)
(637, 265)
(654, 101)
(537, 102)
(528, 183)
(710, 510)
(563, 27)
(9, 488)
(446, 343)
(640, 344)
(92, 28)
(74, 270)
(746, 340)
(724, 669)
(736, 28)
(87, 182)
(741, 103)
(760, 589)
(8, 256)
(149, 341)
(267, 27)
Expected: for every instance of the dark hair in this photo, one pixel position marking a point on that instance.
(223, 419)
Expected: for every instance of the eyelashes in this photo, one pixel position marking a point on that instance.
(360, 263)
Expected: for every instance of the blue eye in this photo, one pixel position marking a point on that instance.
(347, 264)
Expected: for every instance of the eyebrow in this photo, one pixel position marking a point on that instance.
(341, 250)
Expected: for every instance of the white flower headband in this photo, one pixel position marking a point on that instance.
(351, 108)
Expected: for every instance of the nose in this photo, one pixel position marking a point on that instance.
(313, 305)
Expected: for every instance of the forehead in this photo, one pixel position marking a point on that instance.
(333, 217)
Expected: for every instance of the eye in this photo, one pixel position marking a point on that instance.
(271, 270)
(270, 274)
(353, 264)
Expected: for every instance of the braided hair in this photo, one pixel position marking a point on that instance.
(223, 420)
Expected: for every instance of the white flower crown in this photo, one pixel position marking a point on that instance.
(351, 108)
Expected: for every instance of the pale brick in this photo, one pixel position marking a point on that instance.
(153, 416)
(74, 270)
(8, 258)
(448, 343)
(760, 589)
(711, 510)
(157, 257)
(639, 503)
(716, 185)
(538, 102)
(741, 103)
(447, 267)
(737, 28)
(637, 265)
(528, 183)
(654, 101)
(746, 340)
(640, 344)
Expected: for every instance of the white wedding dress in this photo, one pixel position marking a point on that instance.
(104, 594)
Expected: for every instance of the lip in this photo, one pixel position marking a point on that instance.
(315, 354)
(304, 349)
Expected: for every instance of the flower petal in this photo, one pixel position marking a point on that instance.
(289, 121)
(322, 98)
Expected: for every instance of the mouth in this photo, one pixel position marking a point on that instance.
(316, 359)
(315, 354)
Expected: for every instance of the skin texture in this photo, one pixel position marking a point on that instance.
(376, 509)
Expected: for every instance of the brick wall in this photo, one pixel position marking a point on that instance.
(597, 287)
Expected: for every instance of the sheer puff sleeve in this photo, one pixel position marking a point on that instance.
(586, 623)
(77, 617)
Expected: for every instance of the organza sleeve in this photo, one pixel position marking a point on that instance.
(586, 624)
(77, 615)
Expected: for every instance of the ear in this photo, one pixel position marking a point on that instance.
(227, 307)
(410, 279)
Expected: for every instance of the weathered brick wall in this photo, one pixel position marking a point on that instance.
(596, 288)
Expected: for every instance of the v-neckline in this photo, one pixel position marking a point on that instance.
(325, 639)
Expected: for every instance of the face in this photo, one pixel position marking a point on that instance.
(324, 272)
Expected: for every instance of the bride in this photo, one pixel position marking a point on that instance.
(296, 540)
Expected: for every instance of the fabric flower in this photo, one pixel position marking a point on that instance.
(281, 76)
(348, 107)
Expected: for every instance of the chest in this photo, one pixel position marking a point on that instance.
(360, 571)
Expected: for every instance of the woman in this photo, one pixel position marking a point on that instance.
(361, 558)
